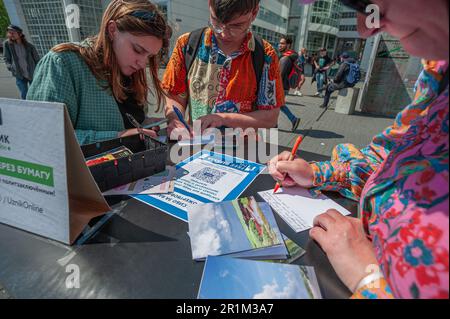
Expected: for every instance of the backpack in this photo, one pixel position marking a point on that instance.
(257, 55)
(295, 75)
(354, 74)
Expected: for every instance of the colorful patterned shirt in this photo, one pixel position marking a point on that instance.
(224, 84)
(401, 180)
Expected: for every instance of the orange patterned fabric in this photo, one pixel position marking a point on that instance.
(224, 84)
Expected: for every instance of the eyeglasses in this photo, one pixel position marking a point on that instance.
(233, 31)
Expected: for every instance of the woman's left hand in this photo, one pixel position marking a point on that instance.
(344, 241)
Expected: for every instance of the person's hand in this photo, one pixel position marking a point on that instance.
(291, 173)
(212, 121)
(177, 131)
(344, 241)
(135, 131)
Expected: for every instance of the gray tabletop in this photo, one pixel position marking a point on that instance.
(137, 252)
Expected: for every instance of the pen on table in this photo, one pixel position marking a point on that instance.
(181, 117)
(291, 158)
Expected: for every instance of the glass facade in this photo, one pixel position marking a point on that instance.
(351, 27)
(270, 36)
(326, 12)
(348, 15)
(47, 25)
(271, 17)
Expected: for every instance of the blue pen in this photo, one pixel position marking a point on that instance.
(181, 117)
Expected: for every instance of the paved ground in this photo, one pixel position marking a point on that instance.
(8, 87)
(331, 130)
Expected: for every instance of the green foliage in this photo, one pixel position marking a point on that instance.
(4, 20)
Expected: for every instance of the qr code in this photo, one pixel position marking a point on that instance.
(209, 175)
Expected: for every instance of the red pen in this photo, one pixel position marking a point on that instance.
(291, 158)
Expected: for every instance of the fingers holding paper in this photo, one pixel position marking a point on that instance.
(291, 173)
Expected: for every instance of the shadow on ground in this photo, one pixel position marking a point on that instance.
(320, 134)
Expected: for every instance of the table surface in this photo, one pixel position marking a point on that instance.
(138, 252)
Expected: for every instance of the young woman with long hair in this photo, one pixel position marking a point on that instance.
(104, 77)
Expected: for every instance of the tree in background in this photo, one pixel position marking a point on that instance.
(4, 20)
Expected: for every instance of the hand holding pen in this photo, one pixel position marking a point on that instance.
(290, 171)
(178, 125)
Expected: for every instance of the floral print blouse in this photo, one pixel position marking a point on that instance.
(402, 180)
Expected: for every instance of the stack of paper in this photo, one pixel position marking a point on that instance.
(162, 183)
(219, 140)
(230, 278)
(298, 207)
(240, 228)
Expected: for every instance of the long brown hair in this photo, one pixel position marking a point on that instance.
(140, 18)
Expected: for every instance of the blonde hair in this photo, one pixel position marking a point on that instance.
(140, 18)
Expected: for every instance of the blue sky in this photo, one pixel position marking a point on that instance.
(229, 278)
(215, 229)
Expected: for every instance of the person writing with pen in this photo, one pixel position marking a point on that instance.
(103, 79)
(233, 79)
(398, 247)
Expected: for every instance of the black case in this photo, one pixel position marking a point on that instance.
(149, 158)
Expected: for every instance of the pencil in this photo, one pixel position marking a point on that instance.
(291, 158)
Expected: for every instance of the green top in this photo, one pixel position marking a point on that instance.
(66, 78)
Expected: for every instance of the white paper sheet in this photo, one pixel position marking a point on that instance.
(220, 141)
(161, 183)
(198, 140)
(298, 207)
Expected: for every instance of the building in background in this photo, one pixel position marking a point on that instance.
(186, 16)
(349, 39)
(272, 21)
(316, 25)
(44, 22)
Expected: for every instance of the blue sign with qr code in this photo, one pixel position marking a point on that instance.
(207, 177)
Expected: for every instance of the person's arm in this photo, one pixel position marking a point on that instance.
(174, 84)
(7, 56)
(54, 82)
(341, 72)
(316, 64)
(350, 168)
(257, 119)
(35, 54)
(285, 66)
(376, 289)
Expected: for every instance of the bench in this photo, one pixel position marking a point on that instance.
(346, 101)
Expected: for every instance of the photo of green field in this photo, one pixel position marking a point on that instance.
(258, 229)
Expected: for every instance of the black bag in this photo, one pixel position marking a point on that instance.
(148, 158)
